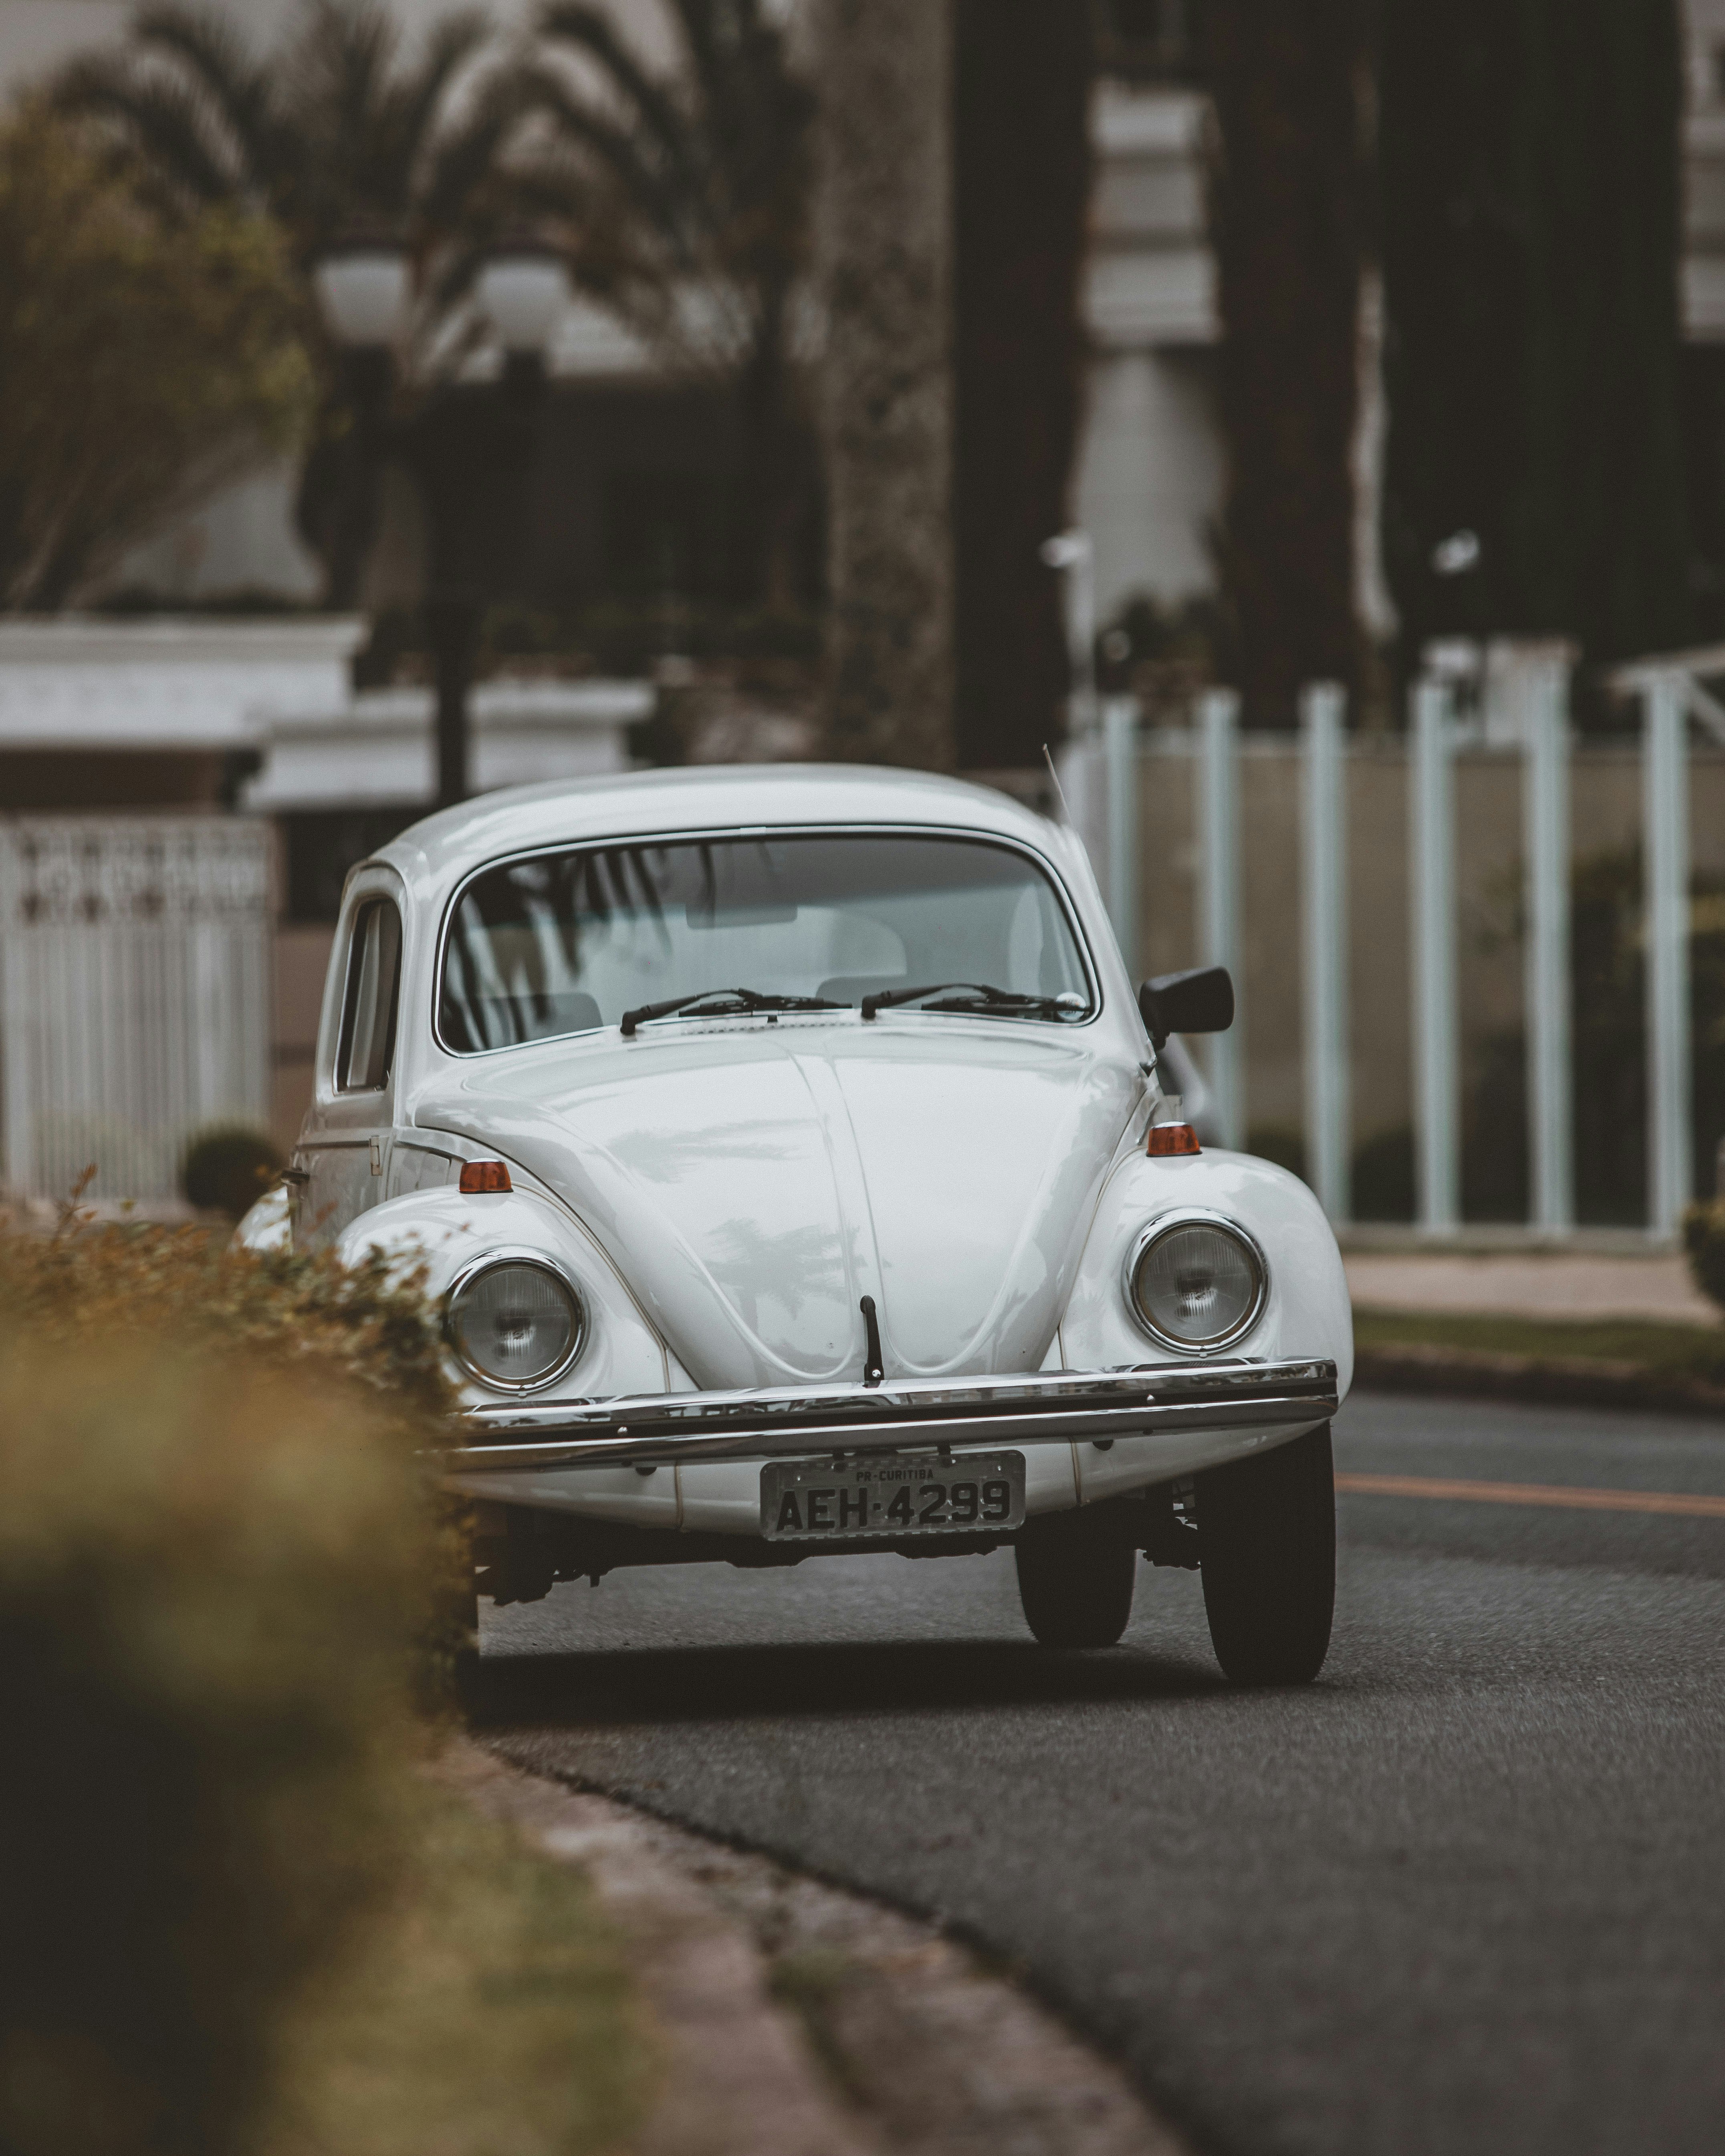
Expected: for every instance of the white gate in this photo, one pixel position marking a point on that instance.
(134, 996)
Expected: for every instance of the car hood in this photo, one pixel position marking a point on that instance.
(753, 1183)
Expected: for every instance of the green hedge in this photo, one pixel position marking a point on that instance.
(1704, 1239)
(217, 1574)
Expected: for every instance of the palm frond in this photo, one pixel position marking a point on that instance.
(656, 109)
(658, 198)
(415, 104)
(165, 122)
(469, 160)
(335, 74)
(204, 47)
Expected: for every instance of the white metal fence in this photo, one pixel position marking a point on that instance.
(1103, 774)
(135, 995)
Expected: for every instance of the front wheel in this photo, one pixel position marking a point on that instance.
(1267, 1556)
(1076, 1571)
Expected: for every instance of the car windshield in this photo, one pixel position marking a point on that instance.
(566, 943)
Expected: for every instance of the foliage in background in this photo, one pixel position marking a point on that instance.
(618, 638)
(1289, 202)
(1163, 653)
(1530, 159)
(1608, 978)
(144, 363)
(1704, 1239)
(1608, 992)
(1021, 153)
(331, 130)
(684, 196)
(228, 1168)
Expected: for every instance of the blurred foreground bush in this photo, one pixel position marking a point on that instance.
(208, 1580)
(303, 1312)
(1704, 1239)
(219, 1569)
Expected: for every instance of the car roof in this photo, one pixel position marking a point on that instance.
(436, 854)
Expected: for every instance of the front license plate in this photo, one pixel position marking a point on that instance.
(889, 1494)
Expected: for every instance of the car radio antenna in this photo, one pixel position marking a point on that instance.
(1060, 790)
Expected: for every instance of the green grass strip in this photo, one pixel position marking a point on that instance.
(1695, 1352)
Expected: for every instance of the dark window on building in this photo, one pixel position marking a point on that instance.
(1149, 40)
(674, 535)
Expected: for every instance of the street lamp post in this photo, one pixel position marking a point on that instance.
(468, 445)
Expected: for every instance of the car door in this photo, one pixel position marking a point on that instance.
(344, 1155)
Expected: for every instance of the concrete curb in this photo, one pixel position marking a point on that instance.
(797, 2019)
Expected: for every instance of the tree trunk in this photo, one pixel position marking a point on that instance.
(775, 459)
(1021, 149)
(1285, 75)
(884, 242)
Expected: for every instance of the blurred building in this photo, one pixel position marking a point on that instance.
(639, 480)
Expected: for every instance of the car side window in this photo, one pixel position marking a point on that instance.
(366, 1046)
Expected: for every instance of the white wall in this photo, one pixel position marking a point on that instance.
(1151, 475)
(241, 539)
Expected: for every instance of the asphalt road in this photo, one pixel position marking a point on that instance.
(1466, 1894)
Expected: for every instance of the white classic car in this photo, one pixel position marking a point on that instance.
(791, 1159)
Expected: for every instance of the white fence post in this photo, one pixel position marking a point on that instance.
(1664, 808)
(1545, 808)
(1120, 764)
(1431, 822)
(1219, 895)
(1324, 921)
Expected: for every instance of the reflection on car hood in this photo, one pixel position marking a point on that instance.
(753, 1183)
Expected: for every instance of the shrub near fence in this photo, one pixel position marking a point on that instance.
(214, 1587)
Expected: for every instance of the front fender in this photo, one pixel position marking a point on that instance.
(1307, 1313)
(444, 1231)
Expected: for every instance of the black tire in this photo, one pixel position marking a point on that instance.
(1267, 1548)
(1076, 1573)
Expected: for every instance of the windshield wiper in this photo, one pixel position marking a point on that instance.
(741, 1001)
(978, 997)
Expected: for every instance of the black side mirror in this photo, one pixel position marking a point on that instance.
(1201, 1001)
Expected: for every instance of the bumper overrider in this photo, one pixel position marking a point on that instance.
(801, 1422)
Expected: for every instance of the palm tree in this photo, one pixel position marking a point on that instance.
(687, 194)
(333, 130)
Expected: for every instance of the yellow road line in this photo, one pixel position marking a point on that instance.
(1533, 1493)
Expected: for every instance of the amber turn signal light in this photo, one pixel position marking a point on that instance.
(485, 1178)
(1168, 1140)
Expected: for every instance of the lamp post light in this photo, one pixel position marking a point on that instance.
(468, 445)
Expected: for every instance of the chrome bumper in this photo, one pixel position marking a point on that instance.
(800, 1422)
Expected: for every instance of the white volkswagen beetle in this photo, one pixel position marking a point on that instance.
(789, 1155)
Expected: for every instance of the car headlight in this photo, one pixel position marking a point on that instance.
(1197, 1281)
(515, 1321)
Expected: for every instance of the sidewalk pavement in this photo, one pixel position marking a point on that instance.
(796, 2019)
(1530, 1284)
